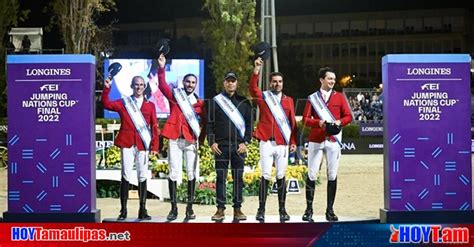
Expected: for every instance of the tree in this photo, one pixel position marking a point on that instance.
(10, 16)
(77, 21)
(231, 31)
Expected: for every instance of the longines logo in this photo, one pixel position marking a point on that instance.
(428, 71)
(39, 72)
(375, 145)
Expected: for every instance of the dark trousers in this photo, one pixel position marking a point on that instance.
(229, 153)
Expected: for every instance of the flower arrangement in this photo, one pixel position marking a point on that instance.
(112, 158)
(206, 187)
(159, 169)
(206, 160)
(297, 172)
(253, 154)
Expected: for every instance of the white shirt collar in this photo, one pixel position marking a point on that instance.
(192, 99)
(326, 94)
(140, 101)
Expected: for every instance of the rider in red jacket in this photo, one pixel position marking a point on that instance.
(322, 143)
(273, 145)
(133, 148)
(182, 140)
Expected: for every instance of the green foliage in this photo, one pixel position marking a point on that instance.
(351, 131)
(77, 19)
(205, 197)
(206, 160)
(252, 188)
(206, 190)
(157, 167)
(105, 121)
(10, 16)
(112, 157)
(106, 188)
(205, 193)
(153, 163)
(231, 31)
(253, 154)
(181, 193)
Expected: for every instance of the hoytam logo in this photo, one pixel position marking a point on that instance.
(428, 234)
(74, 234)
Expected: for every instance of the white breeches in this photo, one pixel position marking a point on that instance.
(180, 150)
(315, 156)
(271, 152)
(132, 156)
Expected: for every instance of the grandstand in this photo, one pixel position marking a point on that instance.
(366, 104)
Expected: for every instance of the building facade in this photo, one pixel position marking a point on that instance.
(350, 43)
(353, 44)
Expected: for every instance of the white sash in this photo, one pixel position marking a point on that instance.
(278, 113)
(138, 120)
(187, 110)
(323, 112)
(232, 112)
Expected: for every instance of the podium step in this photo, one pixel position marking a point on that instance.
(250, 219)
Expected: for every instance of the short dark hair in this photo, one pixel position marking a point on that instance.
(322, 72)
(188, 75)
(276, 73)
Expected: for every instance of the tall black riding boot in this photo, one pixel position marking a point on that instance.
(189, 207)
(173, 214)
(332, 187)
(310, 187)
(142, 192)
(124, 184)
(282, 199)
(262, 198)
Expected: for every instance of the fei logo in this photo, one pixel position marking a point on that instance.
(428, 234)
(430, 86)
(50, 87)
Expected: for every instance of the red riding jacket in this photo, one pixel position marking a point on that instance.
(128, 134)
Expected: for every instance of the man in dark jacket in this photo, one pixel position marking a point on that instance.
(229, 132)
